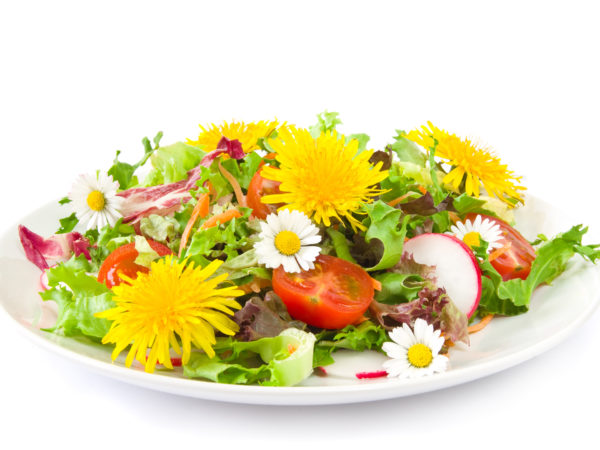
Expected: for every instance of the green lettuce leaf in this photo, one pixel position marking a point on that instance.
(284, 360)
(67, 224)
(326, 121)
(407, 150)
(513, 296)
(172, 163)
(163, 229)
(123, 172)
(366, 336)
(78, 296)
(389, 228)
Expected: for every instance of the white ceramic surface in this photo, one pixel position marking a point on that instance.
(556, 311)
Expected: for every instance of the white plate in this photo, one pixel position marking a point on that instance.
(556, 311)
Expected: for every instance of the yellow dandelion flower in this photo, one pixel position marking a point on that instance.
(324, 178)
(471, 164)
(248, 134)
(168, 303)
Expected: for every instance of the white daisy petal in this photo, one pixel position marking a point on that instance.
(294, 256)
(406, 362)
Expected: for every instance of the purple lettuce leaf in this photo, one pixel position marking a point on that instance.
(261, 318)
(231, 147)
(59, 247)
(433, 305)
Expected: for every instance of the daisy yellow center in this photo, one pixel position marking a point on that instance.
(472, 239)
(96, 201)
(419, 355)
(287, 242)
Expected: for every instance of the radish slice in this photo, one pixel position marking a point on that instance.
(456, 268)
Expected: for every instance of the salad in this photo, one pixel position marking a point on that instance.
(253, 253)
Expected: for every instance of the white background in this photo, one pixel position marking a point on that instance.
(80, 79)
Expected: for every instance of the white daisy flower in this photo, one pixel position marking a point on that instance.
(287, 239)
(95, 200)
(471, 233)
(414, 354)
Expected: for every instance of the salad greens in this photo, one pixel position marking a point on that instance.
(202, 202)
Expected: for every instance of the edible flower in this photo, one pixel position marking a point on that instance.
(95, 200)
(171, 303)
(473, 232)
(414, 354)
(324, 178)
(248, 134)
(287, 239)
(472, 165)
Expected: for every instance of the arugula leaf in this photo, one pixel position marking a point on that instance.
(79, 296)
(67, 224)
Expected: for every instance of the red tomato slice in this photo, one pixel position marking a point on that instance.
(514, 258)
(334, 294)
(258, 187)
(121, 261)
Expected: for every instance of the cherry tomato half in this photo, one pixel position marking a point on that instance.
(258, 187)
(334, 294)
(516, 254)
(121, 261)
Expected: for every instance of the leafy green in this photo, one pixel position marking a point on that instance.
(384, 227)
(172, 163)
(398, 287)
(326, 121)
(146, 254)
(223, 240)
(67, 224)
(64, 201)
(107, 240)
(78, 296)
(123, 172)
(285, 360)
(362, 139)
(340, 244)
(366, 336)
(407, 150)
(163, 229)
(513, 296)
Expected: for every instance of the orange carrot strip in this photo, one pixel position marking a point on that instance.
(399, 199)
(481, 324)
(422, 190)
(376, 284)
(270, 156)
(221, 218)
(239, 195)
(499, 251)
(199, 211)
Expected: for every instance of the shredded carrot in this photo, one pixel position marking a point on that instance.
(221, 218)
(422, 190)
(211, 190)
(376, 284)
(239, 195)
(481, 324)
(453, 216)
(399, 199)
(499, 251)
(272, 155)
(199, 211)
(255, 285)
